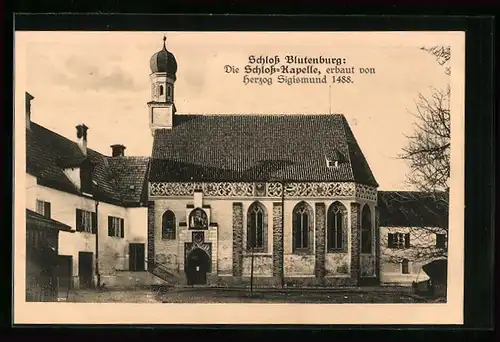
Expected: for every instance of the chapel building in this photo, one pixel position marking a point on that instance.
(292, 192)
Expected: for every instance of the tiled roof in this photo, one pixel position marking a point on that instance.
(41, 221)
(47, 152)
(130, 173)
(412, 209)
(258, 148)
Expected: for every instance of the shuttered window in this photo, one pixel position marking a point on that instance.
(398, 240)
(116, 227)
(43, 208)
(86, 221)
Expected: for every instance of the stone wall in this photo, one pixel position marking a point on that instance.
(320, 240)
(261, 265)
(151, 231)
(277, 240)
(355, 229)
(237, 239)
(233, 260)
(337, 264)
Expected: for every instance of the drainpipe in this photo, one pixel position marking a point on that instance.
(97, 273)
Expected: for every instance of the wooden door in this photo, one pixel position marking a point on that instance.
(85, 268)
(65, 272)
(136, 257)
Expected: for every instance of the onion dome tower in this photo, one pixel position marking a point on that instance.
(163, 75)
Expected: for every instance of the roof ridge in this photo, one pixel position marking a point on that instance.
(68, 139)
(356, 146)
(126, 157)
(259, 114)
(344, 122)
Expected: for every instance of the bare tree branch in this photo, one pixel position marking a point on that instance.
(428, 149)
(427, 153)
(442, 54)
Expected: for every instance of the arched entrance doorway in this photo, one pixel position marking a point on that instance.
(197, 266)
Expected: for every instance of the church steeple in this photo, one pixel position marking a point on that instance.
(163, 75)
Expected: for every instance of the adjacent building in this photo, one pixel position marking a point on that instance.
(413, 230)
(101, 198)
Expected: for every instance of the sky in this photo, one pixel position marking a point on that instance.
(101, 79)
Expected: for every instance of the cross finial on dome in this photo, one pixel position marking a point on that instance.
(164, 41)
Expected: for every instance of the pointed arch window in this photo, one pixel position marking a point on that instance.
(366, 230)
(302, 228)
(337, 228)
(168, 225)
(257, 227)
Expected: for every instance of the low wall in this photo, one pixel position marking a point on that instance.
(126, 279)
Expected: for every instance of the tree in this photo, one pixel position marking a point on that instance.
(428, 149)
(427, 153)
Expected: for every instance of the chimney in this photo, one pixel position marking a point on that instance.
(81, 138)
(118, 150)
(28, 99)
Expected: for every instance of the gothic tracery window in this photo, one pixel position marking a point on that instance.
(366, 230)
(168, 231)
(337, 227)
(302, 216)
(257, 227)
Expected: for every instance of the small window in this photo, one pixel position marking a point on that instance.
(168, 225)
(169, 91)
(86, 221)
(43, 208)
(161, 90)
(398, 240)
(116, 227)
(405, 266)
(332, 163)
(440, 240)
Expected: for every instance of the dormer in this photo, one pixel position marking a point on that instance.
(333, 159)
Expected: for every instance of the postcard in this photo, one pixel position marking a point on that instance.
(239, 177)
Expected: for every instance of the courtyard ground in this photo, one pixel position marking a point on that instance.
(227, 295)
